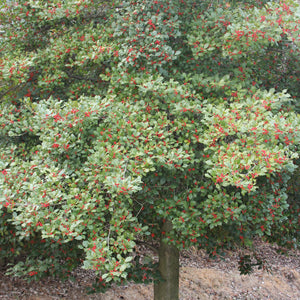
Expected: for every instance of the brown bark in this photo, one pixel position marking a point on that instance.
(169, 269)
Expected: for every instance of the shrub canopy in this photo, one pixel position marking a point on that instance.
(116, 118)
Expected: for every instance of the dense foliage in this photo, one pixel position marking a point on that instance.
(117, 117)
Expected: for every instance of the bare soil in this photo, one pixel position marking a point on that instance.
(200, 278)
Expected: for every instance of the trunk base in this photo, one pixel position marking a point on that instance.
(169, 269)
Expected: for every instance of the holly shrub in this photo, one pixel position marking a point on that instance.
(119, 116)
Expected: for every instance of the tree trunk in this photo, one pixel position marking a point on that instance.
(169, 269)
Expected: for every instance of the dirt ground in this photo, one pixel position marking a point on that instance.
(200, 278)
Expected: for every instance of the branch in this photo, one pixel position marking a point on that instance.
(11, 89)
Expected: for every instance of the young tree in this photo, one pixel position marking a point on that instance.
(172, 122)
